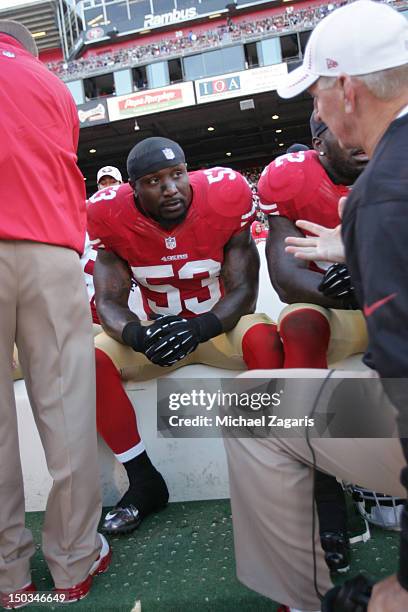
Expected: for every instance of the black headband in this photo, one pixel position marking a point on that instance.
(153, 154)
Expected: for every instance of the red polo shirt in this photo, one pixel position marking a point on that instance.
(42, 192)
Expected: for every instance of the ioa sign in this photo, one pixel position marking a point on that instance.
(219, 86)
(245, 82)
(157, 21)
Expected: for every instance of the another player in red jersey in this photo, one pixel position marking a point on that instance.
(319, 326)
(185, 239)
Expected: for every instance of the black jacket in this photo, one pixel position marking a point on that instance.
(375, 234)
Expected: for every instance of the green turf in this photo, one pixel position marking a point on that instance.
(182, 560)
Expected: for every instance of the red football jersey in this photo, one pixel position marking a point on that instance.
(177, 270)
(297, 186)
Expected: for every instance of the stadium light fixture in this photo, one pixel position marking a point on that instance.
(39, 34)
(136, 126)
(278, 131)
(211, 128)
(93, 22)
(228, 154)
(92, 150)
(281, 144)
(275, 116)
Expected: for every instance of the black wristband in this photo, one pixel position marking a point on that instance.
(133, 335)
(206, 326)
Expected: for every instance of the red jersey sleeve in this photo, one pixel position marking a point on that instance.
(100, 217)
(281, 182)
(228, 198)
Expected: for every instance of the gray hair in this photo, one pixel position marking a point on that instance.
(384, 84)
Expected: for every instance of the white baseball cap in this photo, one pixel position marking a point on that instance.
(359, 38)
(109, 171)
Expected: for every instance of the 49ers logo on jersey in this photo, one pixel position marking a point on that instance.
(170, 242)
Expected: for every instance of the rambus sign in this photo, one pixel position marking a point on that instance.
(158, 21)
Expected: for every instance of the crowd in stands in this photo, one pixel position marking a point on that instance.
(291, 19)
(252, 175)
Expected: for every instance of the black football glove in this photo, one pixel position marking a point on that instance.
(142, 337)
(336, 283)
(182, 338)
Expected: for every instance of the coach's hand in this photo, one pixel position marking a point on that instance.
(336, 283)
(183, 338)
(323, 243)
(388, 596)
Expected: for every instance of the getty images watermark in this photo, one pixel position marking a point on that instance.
(248, 403)
(283, 407)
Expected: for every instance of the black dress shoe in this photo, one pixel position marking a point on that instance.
(336, 550)
(121, 520)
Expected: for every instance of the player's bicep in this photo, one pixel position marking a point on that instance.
(241, 262)
(112, 279)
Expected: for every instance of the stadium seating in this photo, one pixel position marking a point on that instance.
(291, 19)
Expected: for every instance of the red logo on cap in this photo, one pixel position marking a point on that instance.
(331, 63)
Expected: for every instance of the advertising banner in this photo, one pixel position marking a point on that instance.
(236, 84)
(93, 113)
(150, 101)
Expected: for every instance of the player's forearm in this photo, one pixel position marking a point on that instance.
(234, 305)
(114, 317)
(113, 283)
(302, 286)
(240, 275)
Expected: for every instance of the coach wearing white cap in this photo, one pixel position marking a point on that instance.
(108, 176)
(356, 68)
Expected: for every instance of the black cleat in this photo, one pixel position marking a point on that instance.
(121, 520)
(148, 496)
(336, 550)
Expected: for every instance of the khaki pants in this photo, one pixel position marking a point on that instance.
(271, 485)
(348, 330)
(44, 310)
(223, 351)
(17, 371)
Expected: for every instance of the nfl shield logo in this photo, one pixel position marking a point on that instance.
(170, 242)
(168, 153)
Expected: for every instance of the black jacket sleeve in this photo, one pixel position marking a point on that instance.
(383, 266)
